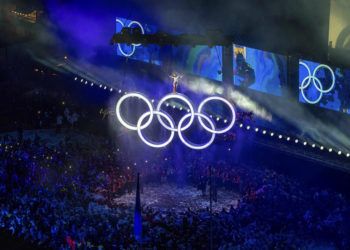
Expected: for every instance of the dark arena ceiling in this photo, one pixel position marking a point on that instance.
(288, 27)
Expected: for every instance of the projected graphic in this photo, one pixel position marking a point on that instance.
(259, 70)
(199, 60)
(324, 86)
(149, 53)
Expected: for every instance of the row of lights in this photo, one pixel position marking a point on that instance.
(296, 141)
(21, 14)
(217, 118)
(83, 81)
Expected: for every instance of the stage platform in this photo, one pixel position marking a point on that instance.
(179, 198)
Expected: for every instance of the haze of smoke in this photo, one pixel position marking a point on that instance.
(203, 86)
(323, 131)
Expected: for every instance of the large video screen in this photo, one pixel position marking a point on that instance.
(200, 60)
(324, 86)
(259, 70)
(146, 53)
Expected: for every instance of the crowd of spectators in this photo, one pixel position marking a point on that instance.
(60, 197)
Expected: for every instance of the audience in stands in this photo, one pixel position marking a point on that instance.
(60, 197)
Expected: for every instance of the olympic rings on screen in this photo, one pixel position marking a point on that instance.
(134, 45)
(170, 124)
(316, 82)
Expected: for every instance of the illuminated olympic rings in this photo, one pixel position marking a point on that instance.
(168, 123)
(316, 82)
(134, 45)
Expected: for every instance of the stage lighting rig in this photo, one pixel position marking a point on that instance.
(133, 35)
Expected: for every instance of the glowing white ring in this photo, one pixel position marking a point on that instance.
(309, 74)
(316, 82)
(134, 45)
(142, 30)
(320, 93)
(119, 46)
(152, 144)
(190, 145)
(224, 101)
(182, 98)
(333, 78)
(122, 121)
(125, 54)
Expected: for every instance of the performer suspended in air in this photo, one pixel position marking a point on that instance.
(176, 77)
